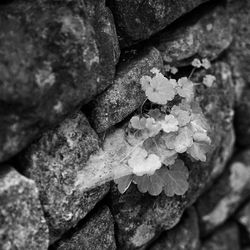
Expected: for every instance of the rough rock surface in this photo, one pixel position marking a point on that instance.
(97, 233)
(227, 238)
(48, 68)
(54, 163)
(202, 36)
(125, 95)
(239, 54)
(226, 195)
(138, 20)
(242, 119)
(22, 225)
(243, 218)
(184, 236)
(140, 217)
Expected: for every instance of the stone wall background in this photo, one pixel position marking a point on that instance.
(69, 77)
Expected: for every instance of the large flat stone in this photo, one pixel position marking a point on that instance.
(54, 163)
(205, 35)
(226, 195)
(97, 233)
(50, 67)
(138, 20)
(184, 236)
(22, 224)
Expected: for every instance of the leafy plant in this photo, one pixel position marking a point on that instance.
(174, 124)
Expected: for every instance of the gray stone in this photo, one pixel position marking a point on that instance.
(242, 119)
(22, 224)
(239, 54)
(226, 195)
(49, 68)
(243, 217)
(97, 233)
(227, 238)
(126, 95)
(138, 20)
(54, 163)
(184, 236)
(204, 37)
(140, 217)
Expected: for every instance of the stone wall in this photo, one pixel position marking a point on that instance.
(69, 81)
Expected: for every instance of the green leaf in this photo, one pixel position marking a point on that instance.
(198, 151)
(183, 140)
(124, 183)
(175, 178)
(169, 124)
(158, 89)
(185, 89)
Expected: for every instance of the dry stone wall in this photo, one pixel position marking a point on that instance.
(69, 82)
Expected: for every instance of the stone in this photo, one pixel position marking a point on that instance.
(102, 21)
(243, 217)
(97, 233)
(184, 236)
(226, 238)
(239, 54)
(242, 119)
(202, 36)
(125, 95)
(138, 20)
(226, 194)
(22, 223)
(140, 217)
(54, 163)
(51, 67)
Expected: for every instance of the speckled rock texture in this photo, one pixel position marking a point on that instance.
(226, 195)
(205, 35)
(184, 236)
(97, 233)
(140, 217)
(239, 54)
(243, 217)
(49, 68)
(138, 20)
(22, 224)
(54, 163)
(125, 95)
(226, 238)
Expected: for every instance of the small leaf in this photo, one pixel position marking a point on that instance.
(208, 80)
(169, 124)
(198, 151)
(183, 140)
(152, 126)
(158, 89)
(196, 63)
(175, 178)
(155, 113)
(182, 116)
(169, 140)
(124, 183)
(185, 88)
(143, 163)
(137, 123)
(205, 63)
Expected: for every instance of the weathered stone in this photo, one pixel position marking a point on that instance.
(239, 54)
(50, 67)
(205, 36)
(184, 236)
(243, 218)
(138, 20)
(242, 119)
(125, 95)
(54, 163)
(22, 225)
(95, 234)
(102, 21)
(139, 217)
(226, 195)
(226, 238)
